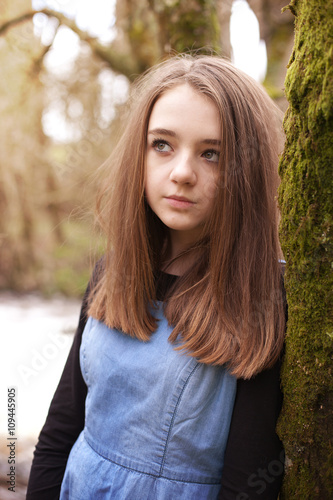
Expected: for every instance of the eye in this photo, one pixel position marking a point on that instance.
(161, 146)
(212, 155)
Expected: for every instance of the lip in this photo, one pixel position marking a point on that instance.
(179, 201)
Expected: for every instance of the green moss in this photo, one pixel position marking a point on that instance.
(306, 424)
(191, 27)
(167, 26)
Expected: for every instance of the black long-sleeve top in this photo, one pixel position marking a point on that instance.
(254, 459)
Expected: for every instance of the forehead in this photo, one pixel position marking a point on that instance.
(183, 107)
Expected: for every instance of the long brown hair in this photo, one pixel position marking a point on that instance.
(228, 306)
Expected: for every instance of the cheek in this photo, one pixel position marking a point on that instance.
(154, 176)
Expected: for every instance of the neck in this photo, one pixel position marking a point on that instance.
(179, 257)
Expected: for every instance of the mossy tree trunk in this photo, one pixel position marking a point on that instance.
(306, 423)
(152, 29)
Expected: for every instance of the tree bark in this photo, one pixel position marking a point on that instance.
(306, 424)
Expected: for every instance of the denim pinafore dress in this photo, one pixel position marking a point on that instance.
(157, 420)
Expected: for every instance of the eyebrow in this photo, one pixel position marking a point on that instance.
(171, 133)
(162, 131)
(213, 142)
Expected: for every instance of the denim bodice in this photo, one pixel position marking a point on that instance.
(157, 420)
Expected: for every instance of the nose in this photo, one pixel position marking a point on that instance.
(183, 171)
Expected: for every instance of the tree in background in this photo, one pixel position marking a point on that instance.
(23, 166)
(306, 200)
(276, 29)
(45, 186)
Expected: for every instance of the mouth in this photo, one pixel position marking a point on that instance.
(179, 201)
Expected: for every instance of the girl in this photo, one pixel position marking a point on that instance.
(171, 389)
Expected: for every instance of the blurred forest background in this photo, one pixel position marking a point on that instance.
(58, 123)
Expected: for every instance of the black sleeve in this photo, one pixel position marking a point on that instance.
(254, 457)
(63, 424)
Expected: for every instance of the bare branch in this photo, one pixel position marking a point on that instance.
(117, 61)
(17, 20)
(39, 61)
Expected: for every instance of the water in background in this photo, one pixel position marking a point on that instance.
(36, 335)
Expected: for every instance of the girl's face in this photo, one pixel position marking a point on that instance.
(183, 147)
